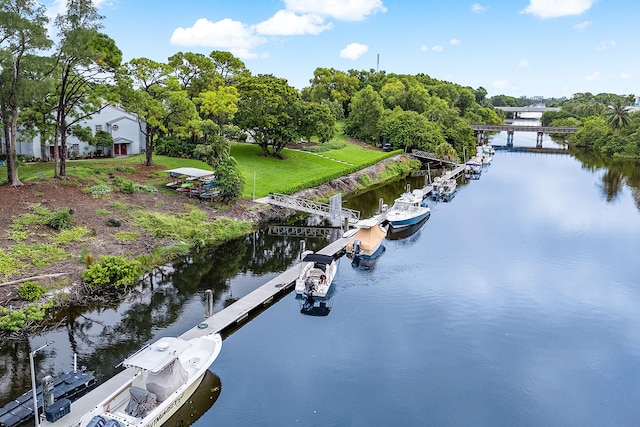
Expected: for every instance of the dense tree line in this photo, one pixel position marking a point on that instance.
(48, 88)
(606, 123)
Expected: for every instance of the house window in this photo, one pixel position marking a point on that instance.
(75, 150)
(98, 127)
(114, 127)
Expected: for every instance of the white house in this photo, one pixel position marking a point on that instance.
(124, 127)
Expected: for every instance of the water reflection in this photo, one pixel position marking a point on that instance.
(617, 173)
(315, 306)
(405, 232)
(168, 302)
(200, 402)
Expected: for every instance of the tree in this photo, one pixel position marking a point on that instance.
(408, 129)
(229, 180)
(267, 110)
(22, 34)
(593, 133)
(481, 95)
(158, 99)
(334, 85)
(365, 110)
(87, 61)
(618, 114)
(316, 119)
(220, 104)
(195, 72)
(229, 67)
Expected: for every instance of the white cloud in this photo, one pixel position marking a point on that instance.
(345, 10)
(478, 8)
(523, 63)
(557, 8)
(454, 42)
(582, 26)
(424, 48)
(500, 84)
(606, 44)
(287, 23)
(437, 48)
(354, 51)
(624, 75)
(225, 34)
(593, 76)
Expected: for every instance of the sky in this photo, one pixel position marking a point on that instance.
(549, 48)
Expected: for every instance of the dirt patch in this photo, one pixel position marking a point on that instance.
(94, 213)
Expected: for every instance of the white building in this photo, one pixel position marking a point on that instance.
(124, 127)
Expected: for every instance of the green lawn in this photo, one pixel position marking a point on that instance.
(298, 170)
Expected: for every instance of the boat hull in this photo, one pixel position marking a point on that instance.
(406, 222)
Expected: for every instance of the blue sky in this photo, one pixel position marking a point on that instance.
(514, 47)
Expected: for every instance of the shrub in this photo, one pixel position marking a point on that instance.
(128, 187)
(99, 190)
(112, 270)
(75, 234)
(30, 291)
(112, 222)
(60, 220)
(124, 236)
(13, 320)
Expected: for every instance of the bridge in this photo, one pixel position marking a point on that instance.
(529, 109)
(514, 112)
(481, 130)
(332, 210)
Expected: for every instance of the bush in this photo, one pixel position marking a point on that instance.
(112, 270)
(128, 187)
(60, 220)
(30, 291)
(112, 222)
(100, 190)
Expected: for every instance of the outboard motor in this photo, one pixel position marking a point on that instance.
(356, 247)
(48, 397)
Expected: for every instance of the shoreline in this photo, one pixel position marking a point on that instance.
(74, 291)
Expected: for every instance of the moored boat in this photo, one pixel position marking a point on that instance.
(316, 274)
(408, 209)
(366, 239)
(167, 373)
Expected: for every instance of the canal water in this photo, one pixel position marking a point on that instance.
(516, 303)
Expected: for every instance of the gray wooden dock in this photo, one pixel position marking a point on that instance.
(224, 322)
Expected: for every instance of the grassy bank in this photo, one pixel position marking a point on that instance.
(149, 226)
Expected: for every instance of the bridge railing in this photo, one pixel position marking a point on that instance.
(431, 156)
(544, 129)
(312, 207)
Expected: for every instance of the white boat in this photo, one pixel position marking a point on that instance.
(473, 165)
(167, 373)
(408, 209)
(366, 239)
(485, 153)
(443, 188)
(316, 274)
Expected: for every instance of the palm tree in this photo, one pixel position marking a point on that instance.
(618, 115)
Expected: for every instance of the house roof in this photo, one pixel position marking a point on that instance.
(117, 119)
